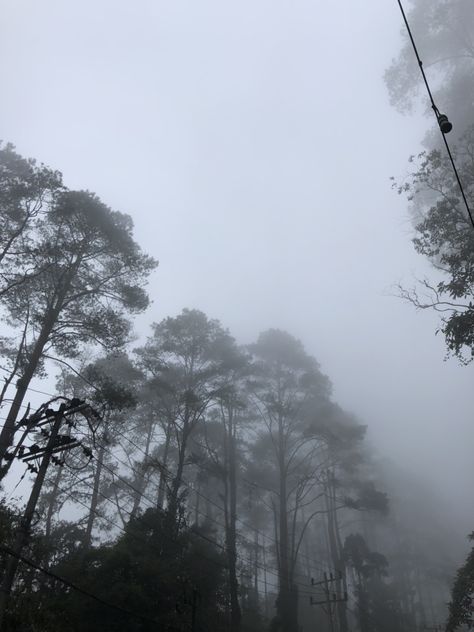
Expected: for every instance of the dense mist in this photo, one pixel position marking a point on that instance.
(237, 288)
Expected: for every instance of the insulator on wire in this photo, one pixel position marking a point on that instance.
(444, 123)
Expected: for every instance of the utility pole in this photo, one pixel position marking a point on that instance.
(330, 599)
(56, 443)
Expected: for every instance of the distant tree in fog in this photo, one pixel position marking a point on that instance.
(185, 359)
(287, 388)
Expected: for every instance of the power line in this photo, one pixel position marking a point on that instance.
(189, 486)
(266, 568)
(443, 122)
(65, 582)
(29, 388)
(212, 502)
(166, 537)
(201, 495)
(130, 532)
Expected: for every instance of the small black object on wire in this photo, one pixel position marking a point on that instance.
(444, 123)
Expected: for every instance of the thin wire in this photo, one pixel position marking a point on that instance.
(127, 511)
(436, 111)
(269, 569)
(189, 486)
(34, 390)
(65, 582)
(197, 533)
(201, 495)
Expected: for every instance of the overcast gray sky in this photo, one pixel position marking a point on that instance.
(252, 142)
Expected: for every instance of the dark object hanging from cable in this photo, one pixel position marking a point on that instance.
(444, 123)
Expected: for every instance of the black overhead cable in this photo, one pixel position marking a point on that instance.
(220, 564)
(443, 122)
(68, 584)
(198, 493)
(188, 485)
(269, 569)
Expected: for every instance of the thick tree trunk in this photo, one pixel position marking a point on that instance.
(8, 432)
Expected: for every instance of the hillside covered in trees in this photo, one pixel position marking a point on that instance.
(184, 482)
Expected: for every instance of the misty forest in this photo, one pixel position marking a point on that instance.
(179, 458)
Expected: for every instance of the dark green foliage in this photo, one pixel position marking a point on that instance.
(461, 607)
(366, 563)
(72, 275)
(26, 191)
(374, 602)
(93, 273)
(116, 382)
(442, 30)
(150, 571)
(369, 499)
(444, 235)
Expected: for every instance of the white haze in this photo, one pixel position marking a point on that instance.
(252, 142)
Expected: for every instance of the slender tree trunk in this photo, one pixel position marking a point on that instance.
(287, 600)
(231, 536)
(173, 499)
(306, 546)
(255, 567)
(265, 586)
(95, 494)
(140, 483)
(197, 502)
(52, 502)
(334, 548)
(340, 567)
(162, 483)
(176, 484)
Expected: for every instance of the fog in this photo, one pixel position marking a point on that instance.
(253, 146)
(252, 143)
